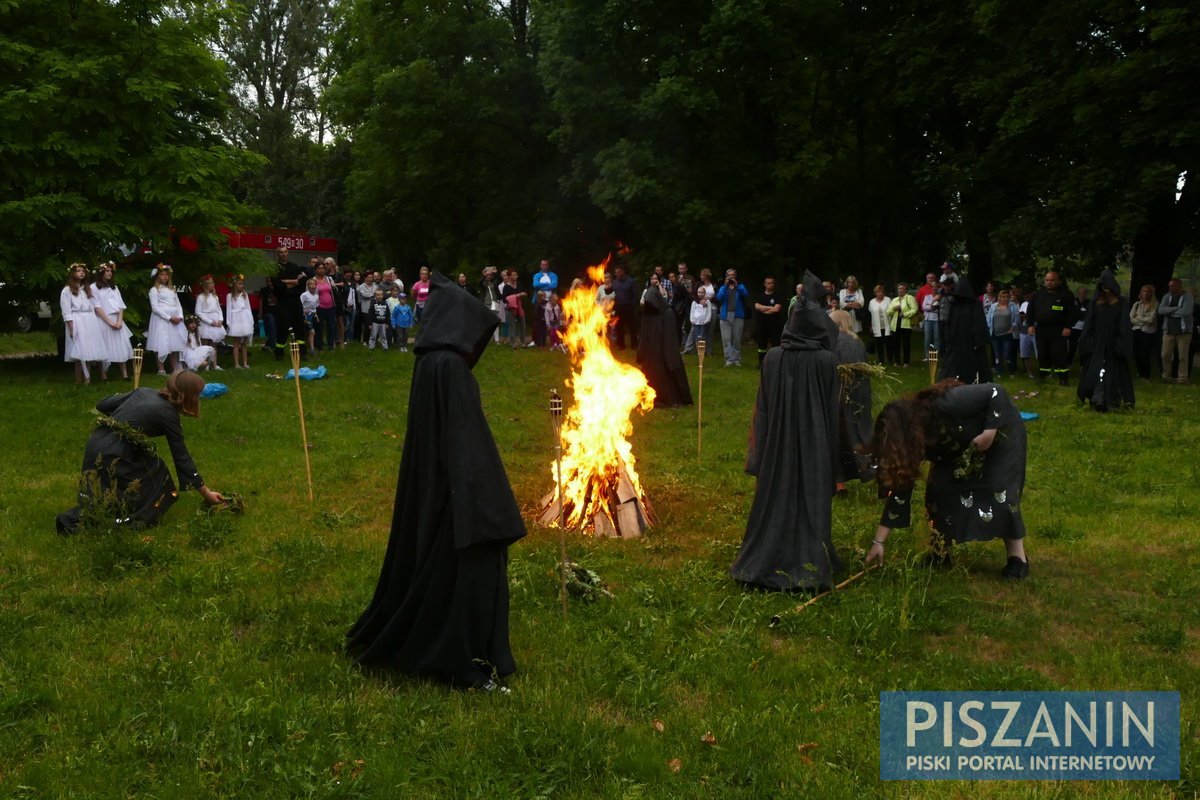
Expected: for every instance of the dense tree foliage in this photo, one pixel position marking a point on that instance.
(874, 139)
(112, 116)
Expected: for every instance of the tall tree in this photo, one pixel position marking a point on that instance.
(112, 114)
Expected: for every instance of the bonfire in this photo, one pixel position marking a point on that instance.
(601, 493)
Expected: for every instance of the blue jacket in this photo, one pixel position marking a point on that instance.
(402, 316)
(739, 310)
(544, 282)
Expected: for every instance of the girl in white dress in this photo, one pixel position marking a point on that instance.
(167, 336)
(110, 308)
(240, 318)
(82, 343)
(208, 309)
(196, 354)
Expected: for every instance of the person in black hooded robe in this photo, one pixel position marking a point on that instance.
(788, 543)
(1105, 347)
(658, 351)
(441, 605)
(855, 420)
(965, 337)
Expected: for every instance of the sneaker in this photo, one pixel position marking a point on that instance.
(1015, 569)
(218, 368)
(531, 344)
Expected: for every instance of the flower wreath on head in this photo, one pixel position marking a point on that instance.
(190, 318)
(160, 268)
(75, 266)
(206, 278)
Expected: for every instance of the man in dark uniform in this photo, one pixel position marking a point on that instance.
(288, 284)
(625, 305)
(768, 319)
(1052, 312)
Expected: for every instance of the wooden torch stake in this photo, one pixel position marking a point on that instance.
(933, 365)
(700, 348)
(294, 347)
(138, 355)
(556, 413)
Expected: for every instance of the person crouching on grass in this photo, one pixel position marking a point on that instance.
(974, 440)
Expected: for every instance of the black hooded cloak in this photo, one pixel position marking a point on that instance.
(441, 604)
(793, 451)
(854, 418)
(1105, 347)
(965, 338)
(658, 352)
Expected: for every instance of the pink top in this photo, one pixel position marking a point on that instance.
(325, 293)
(420, 291)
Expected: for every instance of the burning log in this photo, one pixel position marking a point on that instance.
(598, 480)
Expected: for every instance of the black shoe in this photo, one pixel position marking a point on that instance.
(1015, 569)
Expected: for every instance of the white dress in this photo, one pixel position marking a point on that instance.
(196, 355)
(84, 341)
(238, 315)
(208, 309)
(164, 337)
(116, 341)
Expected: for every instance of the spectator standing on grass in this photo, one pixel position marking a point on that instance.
(902, 315)
(732, 301)
(309, 300)
(544, 280)
(1082, 303)
(489, 294)
(514, 305)
(110, 308)
(208, 309)
(625, 289)
(240, 318)
(928, 301)
(288, 282)
(402, 320)
(420, 292)
(538, 337)
(881, 325)
(1143, 319)
(393, 300)
(851, 299)
(1002, 318)
(366, 296)
(1175, 310)
(768, 319)
(1026, 341)
(701, 316)
(380, 320)
(326, 309)
(348, 300)
(83, 342)
(1052, 312)
(266, 315)
(685, 292)
(167, 336)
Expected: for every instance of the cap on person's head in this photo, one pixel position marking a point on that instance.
(403, 295)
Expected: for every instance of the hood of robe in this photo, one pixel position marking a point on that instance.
(814, 290)
(962, 288)
(454, 320)
(1107, 281)
(809, 327)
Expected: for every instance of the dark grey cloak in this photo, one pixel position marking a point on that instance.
(658, 352)
(1105, 347)
(986, 503)
(854, 418)
(125, 469)
(965, 338)
(788, 542)
(441, 604)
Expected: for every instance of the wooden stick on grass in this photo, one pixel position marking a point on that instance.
(775, 620)
(294, 346)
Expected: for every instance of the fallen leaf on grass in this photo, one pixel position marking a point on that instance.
(356, 768)
(708, 738)
(658, 725)
(675, 765)
(803, 749)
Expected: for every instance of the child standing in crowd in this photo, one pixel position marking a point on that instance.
(402, 320)
(110, 307)
(1027, 341)
(83, 343)
(379, 320)
(309, 302)
(208, 309)
(700, 314)
(167, 336)
(393, 300)
(196, 354)
(241, 322)
(553, 318)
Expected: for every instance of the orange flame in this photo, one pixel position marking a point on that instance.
(595, 433)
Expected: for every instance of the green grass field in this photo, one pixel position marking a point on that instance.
(203, 658)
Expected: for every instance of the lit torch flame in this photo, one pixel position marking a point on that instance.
(596, 453)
